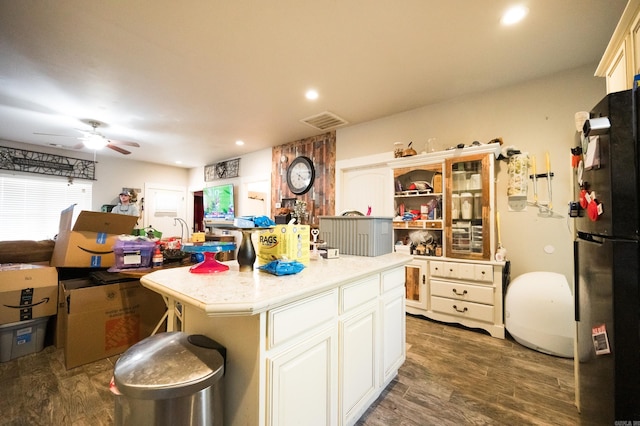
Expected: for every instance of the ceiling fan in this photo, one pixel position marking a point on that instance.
(94, 140)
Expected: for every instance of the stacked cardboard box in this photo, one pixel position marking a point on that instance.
(89, 244)
(97, 319)
(28, 297)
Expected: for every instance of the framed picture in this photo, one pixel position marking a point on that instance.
(222, 170)
(288, 203)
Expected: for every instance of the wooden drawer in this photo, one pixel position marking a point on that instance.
(460, 308)
(483, 273)
(468, 292)
(436, 269)
(461, 271)
(392, 279)
(298, 318)
(359, 293)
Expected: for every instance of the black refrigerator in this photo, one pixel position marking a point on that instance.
(606, 262)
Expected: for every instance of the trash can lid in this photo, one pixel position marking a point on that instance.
(167, 365)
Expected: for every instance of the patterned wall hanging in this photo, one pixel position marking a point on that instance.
(21, 160)
(222, 170)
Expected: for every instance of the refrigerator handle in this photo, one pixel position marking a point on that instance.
(576, 283)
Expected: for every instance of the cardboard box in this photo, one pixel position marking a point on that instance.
(27, 292)
(290, 241)
(99, 321)
(90, 243)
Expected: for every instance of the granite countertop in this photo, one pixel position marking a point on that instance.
(246, 293)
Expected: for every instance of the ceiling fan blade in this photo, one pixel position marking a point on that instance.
(118, 149)
(52, 134)
(134, 144)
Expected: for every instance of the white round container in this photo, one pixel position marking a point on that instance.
(455, 206)
(475, 182)
(466, 205)
(477, 205)
(459, 180)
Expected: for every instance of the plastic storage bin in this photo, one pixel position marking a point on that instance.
(133, 254)
(358, 235)
(22, 338)
(170, 379)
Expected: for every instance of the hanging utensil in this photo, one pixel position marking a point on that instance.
(550, 206)
(535, 180)
(501, 252)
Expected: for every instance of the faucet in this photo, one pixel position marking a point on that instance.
(183, 226)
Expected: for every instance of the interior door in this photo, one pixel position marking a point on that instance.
(165, 209)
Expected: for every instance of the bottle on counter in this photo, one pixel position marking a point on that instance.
(157, 259)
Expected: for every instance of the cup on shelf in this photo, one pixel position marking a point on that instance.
(475, 182)
(455, 206)
(477, 205)
(459, 181)
(466, 205)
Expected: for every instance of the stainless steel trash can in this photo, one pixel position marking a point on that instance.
(170, 379)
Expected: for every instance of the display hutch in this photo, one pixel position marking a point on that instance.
(445, 218)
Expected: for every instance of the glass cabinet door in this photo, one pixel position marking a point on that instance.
(468, 209)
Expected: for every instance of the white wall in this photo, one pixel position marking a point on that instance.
(255, 172)
(114, 173)
(536, 117)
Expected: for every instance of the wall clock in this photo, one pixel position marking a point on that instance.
(300, 175)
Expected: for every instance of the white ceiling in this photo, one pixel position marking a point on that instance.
(187, 79)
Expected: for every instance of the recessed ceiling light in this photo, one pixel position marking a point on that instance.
(178, 162)
(311, 94)
(239, 143)
(514, 14)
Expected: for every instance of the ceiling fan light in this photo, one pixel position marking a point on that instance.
(94, 141)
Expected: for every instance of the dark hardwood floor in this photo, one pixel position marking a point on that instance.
(455, 376)
(452, 376)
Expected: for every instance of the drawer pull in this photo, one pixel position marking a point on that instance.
(464, 292)
(462, 311)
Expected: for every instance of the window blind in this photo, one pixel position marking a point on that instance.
(30, 206)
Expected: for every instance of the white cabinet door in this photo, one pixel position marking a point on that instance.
(616, 76)
(355, 192)
(393, 333)
(358, 361)
(303, 382)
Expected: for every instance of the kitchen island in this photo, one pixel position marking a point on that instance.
(317, 347)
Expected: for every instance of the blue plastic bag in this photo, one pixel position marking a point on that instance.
(263, 221)
(282, 267)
